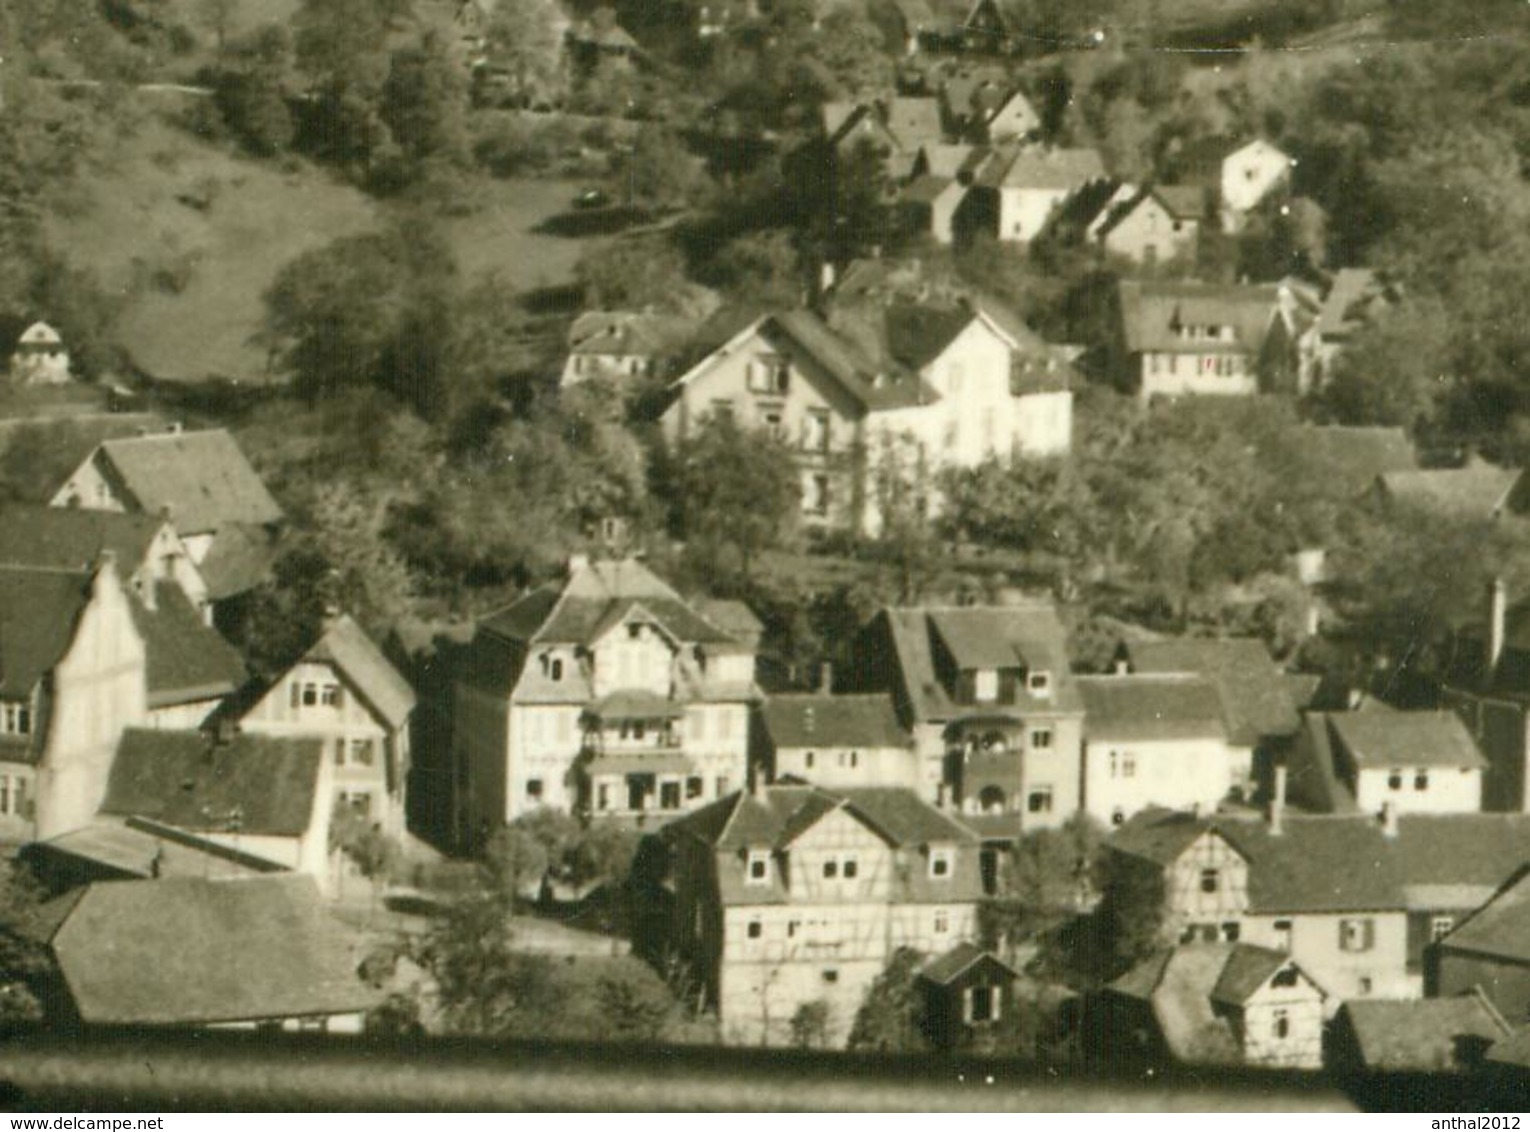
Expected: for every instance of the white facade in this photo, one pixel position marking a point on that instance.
(1216, 372)
(1419, 790)
(40, 357)
(1122, 778)
(847, 766)
(1023, 213)
(1250, 174)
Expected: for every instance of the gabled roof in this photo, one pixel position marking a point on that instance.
(1042, 167)
(135, 850)
(624, 333)
(1150, 708)
(1478, 491)
(1384, 739)
(188, 951)
(927, 189)
(261, 785)
(1349, 459)
(1354, 296)
(1314, 779)
(949, 161)
(187, 659)
(1248, 968)
(202, 477)
(945, 969)
(1152, 309)
(346, 645)
(1423, 1035)
(239, 559)
(918, 333)
(1327, 863)
(39, 610)
(833, 721)
(1255, 700)
(904, 818)
(913, 121)
(1501, 927)
(72, 538)
(1183, 202)
(1030, 628)
(1460, 858)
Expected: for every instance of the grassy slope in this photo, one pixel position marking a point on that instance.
(131, 225)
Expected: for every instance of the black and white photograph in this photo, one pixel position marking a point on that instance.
(764, 556)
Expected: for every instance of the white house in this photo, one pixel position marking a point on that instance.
(1152, 740)
(344, 693)
(837, 741)
(1017, 191)
(1250, 173)
(1415, 762)
(40, 357)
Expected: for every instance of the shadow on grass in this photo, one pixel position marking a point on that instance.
(593, 222)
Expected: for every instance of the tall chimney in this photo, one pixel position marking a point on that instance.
(1278, 801)
(1389, 819)
(1498, 609)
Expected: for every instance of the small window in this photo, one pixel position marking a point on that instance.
(980, 1004)
(807, 760)
(693, 787)
(850, 868)
(855, 759)
(310, 695)
(759, 867)
(1366, 984)
(635, 631)
(1118, 816)
(1040, 800)
(1041, 738)
(1231, 930)
(361, 752)
(297, 694)
(756, 929)
(940, 863)
(534, 788)
(1285, 977)
(1128, 766)
(830, 870)
(942, 922)
(330, 696)
(1283, 934)
(1421, 780)
(1211, 880)
(1039, 683)
(1282, 1025)
(1356, 935)
(1440, 927)
(1395, 780)
(831, 974)
(791, 929)
(555, 669)
(603, 796)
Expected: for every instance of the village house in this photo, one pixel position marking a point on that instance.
(621, 346)
(969, 99)
(1489, 687)
(1325, 890)
(1260, 718)
(344, 692)
(40, 357)
(1179, 338)
(837, 741)
(251, 953)
(1018, 189)
(1361, 761)
(202, 483)
(608, 695)
(958, 383)
(929, 203)
(1428, 1035)
(147, 548)
(789, 895)
(1216, 1003)
(964, 992)
(1243, 174)
(994, 711)
(1152, 740)
(1491, 950)
(1013, 120)
(1355, 297)
(1153, 225)
(895, 129)
(80, 661)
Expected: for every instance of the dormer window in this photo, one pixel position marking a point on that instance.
(985, 685)
(942, 863)
(16, 719)
(757, 868)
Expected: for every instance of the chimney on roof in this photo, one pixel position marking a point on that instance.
(1389, 819)
(1278, 801)
(1498, 610)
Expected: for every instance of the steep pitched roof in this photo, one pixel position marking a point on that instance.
(1155, 707)
(1406, 738)
(187, 659)
(1423, 1035)
(904, 818)
(1038, 167)
(1029, 629)
(239, 559)
(833, 721)
(1152, 309)
(72, 538)
(1501, 927)
(38, 613)
(202, 477)
(1255, 699)
(1478, 491)
(1350, 459)
(1314, 779)
(193, 951)
(1460, 860)
(913, 121)
(1316, 864)
(260, 785)
(346, 645)
(1247, 969)
(945, 969)
(624, 333)
(138, 850)
(1183, 202)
